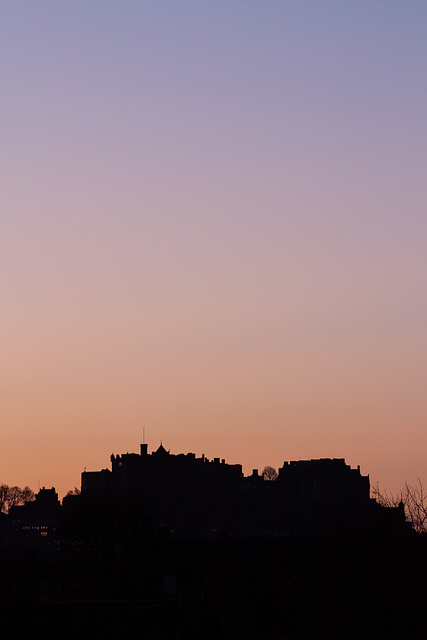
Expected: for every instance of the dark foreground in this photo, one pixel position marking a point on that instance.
(237, 589)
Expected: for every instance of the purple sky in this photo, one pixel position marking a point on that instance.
(134, 134)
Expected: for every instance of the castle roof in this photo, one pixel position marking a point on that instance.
(161, 451)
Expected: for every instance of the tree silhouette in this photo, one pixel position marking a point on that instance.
(269, 473)
(14, 496)
(73, 492)
(414, 500)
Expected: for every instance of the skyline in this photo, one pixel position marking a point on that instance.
(213, 226)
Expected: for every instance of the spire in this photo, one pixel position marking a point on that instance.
(161, 450)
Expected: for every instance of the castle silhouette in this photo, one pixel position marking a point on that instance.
(195, 496)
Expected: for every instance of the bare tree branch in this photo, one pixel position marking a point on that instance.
(414, 500)
(14, 496)
(269, 473)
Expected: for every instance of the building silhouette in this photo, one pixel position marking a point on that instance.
(195, 496)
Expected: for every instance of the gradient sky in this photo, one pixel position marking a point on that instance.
(213, 225)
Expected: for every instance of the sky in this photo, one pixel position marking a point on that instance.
(213, 231)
